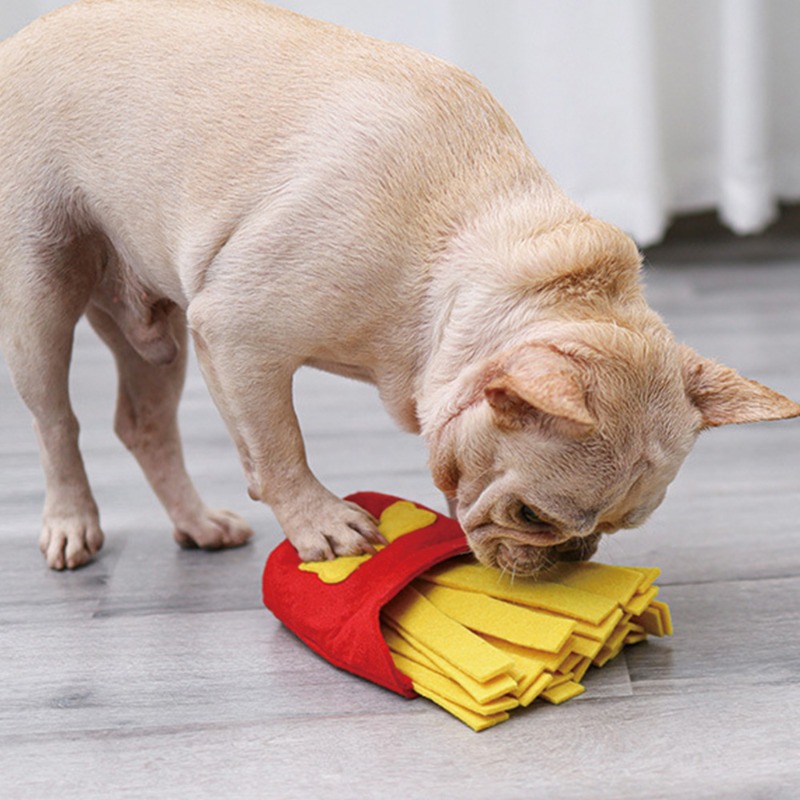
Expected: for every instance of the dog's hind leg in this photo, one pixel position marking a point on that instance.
(41, 299)
(147, 423)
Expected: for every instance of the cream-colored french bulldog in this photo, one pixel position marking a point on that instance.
(301, 194)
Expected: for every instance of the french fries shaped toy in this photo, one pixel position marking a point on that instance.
(422, 618)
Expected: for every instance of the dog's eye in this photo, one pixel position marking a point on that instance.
(530, 516)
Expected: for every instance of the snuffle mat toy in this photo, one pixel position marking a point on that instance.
(423, 617)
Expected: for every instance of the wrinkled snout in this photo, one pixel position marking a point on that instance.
(527, 554)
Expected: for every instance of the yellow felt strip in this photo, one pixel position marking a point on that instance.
(397, 644)
(514, 623)
(448, 689)
(523, 677)
(618, 637)
(617, 583)
(412, 612)
(570, 662)
(527, 668)
(600, 632)
(484, 692)
(641, 601)
(550, 661)
(650, 574)
(585, 646)
(581, 669)
(650, 619)
(635, 638)
(524, 685)
(535, 689)
(478, 722)
(554, 597)
(559, 678)
(607, 654)
(525, 672)
(636, 628)
(562, 692)
(665, 614)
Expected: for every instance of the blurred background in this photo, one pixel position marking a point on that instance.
(641, 109)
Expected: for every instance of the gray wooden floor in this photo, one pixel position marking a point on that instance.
(156, 673)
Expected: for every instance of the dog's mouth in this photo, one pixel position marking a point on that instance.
(522, 560)
(530, 553)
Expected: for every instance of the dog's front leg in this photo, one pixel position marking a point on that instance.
(251, 383)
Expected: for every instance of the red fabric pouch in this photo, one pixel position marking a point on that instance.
(341, 621)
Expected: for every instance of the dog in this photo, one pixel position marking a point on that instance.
(292, 193)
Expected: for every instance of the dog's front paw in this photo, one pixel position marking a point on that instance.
(333, 528)
(213, 529)
(69, 542)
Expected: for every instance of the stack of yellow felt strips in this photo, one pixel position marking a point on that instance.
(480, 643)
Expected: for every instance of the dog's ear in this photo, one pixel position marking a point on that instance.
(539, 383)
(725, 397)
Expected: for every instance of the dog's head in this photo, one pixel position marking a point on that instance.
(559, 441)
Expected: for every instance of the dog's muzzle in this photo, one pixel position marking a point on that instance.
(517, 555)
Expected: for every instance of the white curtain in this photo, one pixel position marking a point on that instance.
(641, 109)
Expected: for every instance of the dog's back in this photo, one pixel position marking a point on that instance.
(199, 112)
